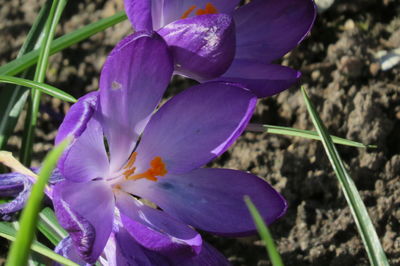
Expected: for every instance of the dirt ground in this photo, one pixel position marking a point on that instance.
(354, 97)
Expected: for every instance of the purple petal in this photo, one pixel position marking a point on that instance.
(155, 229)
(195, 126)
(14, 185)
(212, 199)
(126, 251)
(203, 47)
(208, 256)
(66, 249)
(132, 83)
(267, 30)
(165, 12)
(262, 79)
(77, 117)
(86, 158)
(86, 211)
(139, 14)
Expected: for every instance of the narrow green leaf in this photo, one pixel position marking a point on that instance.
(12, 101)
(364, 224)
(19, 250)
(262, 229)
(45, 88)
(50, 227)
(7, 232)
(308, 134)
(16, 66)
(40, 74)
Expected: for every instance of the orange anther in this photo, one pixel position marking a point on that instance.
(157, 168)
(187, 12)
(209, 9)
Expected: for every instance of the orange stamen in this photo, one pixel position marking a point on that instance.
(187, 12)
(157, 168)
(131, 160)
(209, 9)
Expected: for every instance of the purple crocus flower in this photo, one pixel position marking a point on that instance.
(213, 39)
(123, 151)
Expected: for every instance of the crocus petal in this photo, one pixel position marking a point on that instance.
(262, 79)
(207, 256)
(86, 158)
(66, 249)
(14, 185)
(86, 211)
(212, 199)
(132, 82)
(203, 46)
(267, 30)
(195, 126)
(139, 14)
(155, 229)
(77, 117)
(165, 12)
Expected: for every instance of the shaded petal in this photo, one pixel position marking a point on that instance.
(86, 211)
(122, 249)
(195, 126)
(165, 12)
(212, 199)
(207, 256)
(77, 117)
(66, 249)
(14, 185)
(132, 82)
(203, 47)
(86, 158)
(139, 14)
(155, 229)
(267, 30)
(262, 79)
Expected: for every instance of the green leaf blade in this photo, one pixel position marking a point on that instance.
(376, 254)
(19, 251)
(262, 229)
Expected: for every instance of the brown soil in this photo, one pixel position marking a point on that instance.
(354, 97)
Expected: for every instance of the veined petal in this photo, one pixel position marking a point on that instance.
(77, 117)
(155, 229)
(203, 47)
(132, 82)
(165, 12)
(212, 199)
(86, 211)
(14, 185)
(86, 158)
(262, 79)
(267, 30)
(195, 126)
(139, 14)
(207, 256)
(66, 249)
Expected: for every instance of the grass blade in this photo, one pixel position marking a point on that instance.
(12, 101)
(40, 74)
(262, 229)
(18, 65)
(50, 227)
(45, 88)
(364, 224)
(7, 232)
(308, 134)
(19, 251)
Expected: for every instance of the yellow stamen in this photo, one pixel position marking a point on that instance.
(131, 160)
(8, 160)
(187, 12)
(157, 168)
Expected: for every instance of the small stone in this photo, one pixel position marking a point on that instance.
(349, 25)
(374, 68)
